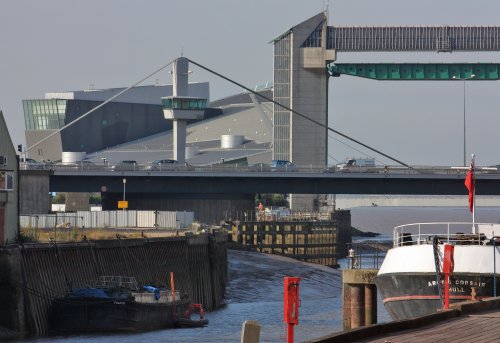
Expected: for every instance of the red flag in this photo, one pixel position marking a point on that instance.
(469, 183)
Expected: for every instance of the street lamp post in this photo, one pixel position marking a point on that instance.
(464, 79)
(124, 183)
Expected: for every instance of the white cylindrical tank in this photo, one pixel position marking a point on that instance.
(192, 151)
(231, 141)
(73, 156)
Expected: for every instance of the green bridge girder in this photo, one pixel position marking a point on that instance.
(418, 71)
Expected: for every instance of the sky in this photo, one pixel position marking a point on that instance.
(61, 45)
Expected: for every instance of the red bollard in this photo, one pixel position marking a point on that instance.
(291, 304)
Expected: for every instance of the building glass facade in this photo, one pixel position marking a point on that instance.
(282, 95)
(184, 103)
(44, 114)
(314, 39)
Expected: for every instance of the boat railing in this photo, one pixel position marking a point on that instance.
(128, 282)
(459, 233)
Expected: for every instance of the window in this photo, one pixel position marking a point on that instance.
(6, 181)
(184, 103)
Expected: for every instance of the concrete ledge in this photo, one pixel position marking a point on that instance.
(456, 310)
(472, 306)
(359, 276)
(381, 329)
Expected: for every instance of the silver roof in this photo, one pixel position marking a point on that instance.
(237, 119)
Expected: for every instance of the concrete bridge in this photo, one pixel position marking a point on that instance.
(193, 183)
(210, 193)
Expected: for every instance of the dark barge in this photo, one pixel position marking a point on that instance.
(117, 304)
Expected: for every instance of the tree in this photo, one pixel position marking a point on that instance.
(272, 200)
(95, 198)
(59, 198)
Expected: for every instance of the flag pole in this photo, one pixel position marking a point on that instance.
(473, 165)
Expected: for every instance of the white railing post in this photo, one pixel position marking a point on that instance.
(448, 233)
(419, 232)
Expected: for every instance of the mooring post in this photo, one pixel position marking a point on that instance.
(250, 332)
(359, 298)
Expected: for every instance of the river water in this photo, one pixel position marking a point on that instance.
(255, 289)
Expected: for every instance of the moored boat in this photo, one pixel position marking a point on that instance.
(411, 281)
(434, 264)
(116, 303)
(186, 321)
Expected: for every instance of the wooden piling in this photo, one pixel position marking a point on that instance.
(357, 293)
(370, 304)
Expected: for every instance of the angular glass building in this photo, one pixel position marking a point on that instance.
(131, 116)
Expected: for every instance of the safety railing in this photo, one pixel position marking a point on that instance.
(366, 255)
(244, 168)
(458, 233)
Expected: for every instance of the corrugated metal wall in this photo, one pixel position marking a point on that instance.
(110, 219)
(199, 264)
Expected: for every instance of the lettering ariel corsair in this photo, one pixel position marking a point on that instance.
(434, 264)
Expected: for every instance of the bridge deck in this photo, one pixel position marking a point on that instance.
(414, 38)
(419, 71)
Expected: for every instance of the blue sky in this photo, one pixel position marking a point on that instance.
(60, 45)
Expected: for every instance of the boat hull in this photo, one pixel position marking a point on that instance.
(410, 295)
(190, 323)
(80, 315)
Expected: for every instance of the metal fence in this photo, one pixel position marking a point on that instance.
(110, 219)
(366, 255)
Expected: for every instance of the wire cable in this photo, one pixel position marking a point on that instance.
(353, 148)
(300, 114)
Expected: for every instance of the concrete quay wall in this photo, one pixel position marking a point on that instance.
(32, 275)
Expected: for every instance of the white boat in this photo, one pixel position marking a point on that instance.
(410, 278)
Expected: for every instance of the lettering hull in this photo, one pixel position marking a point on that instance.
(410, 295)
(85, 315)
(407, 277)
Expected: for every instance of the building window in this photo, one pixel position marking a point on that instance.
(184, 103)
(6, 181)
(314, 39)
(46, 114)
